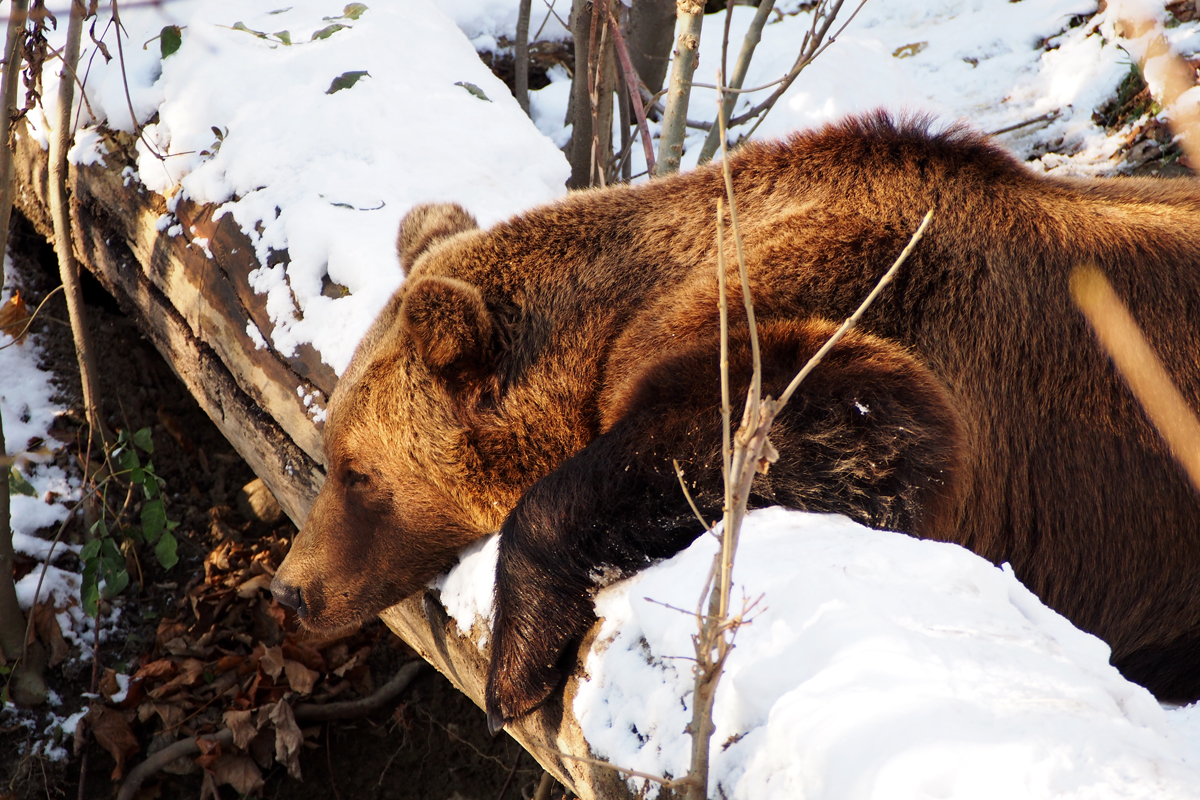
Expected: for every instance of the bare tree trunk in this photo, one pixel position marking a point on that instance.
(604, 83)
(68, 267)
(521, 56)
(687, 46)
(581, 105)
(651, 30)
(27, 687)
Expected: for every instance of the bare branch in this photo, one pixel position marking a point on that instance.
(521, 56)
(631, 80)
(68, 267)
(669, 783)
(749, 43)
(688, 495)
(813, 47)
(849, 324)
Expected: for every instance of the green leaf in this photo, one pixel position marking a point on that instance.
(151, 487)
(18, 484)
(128, 460)
(354, 10)
(92, 548)
(169, 40)
(144, 440)
(154, 520)
(346, 80)
(473, 89)
(241, 26)
(110, 552)
(165, 550)
(284, 36)
(327, 31)
(89, 592)
(115, 582)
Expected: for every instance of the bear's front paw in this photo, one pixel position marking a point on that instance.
(534, 626)
(517, 685)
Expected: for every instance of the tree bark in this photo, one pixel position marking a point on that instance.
(686, 56)
(581, 105)
(60, 143)
(27, 687)
(521, 56)
(651, 30)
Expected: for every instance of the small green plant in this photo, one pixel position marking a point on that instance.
(105, 569)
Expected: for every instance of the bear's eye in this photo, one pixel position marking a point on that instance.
(355, 478)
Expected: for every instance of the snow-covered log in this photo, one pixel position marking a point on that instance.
(190, 295)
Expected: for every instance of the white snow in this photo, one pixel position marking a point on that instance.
(876, 665)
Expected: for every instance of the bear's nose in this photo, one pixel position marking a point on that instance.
(288, 596)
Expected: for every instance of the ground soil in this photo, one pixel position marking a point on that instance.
(431, 743)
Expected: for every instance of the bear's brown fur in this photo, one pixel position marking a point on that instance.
(539, 378)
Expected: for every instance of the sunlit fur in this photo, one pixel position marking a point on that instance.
(540, 376)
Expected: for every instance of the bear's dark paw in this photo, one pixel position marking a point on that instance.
(515, 688)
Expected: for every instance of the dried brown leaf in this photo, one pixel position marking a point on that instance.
(48, 630)
(300, 678)
(243, 729)
(112, 732)
(271, 661)
(252, 587)
(359, 658)
(171, 715)
(160, 669)
(208, 788)
(288, 738)
(240, 772)
(306, 655)
(108, 684)
(208, 746)
(191, 671)
(14, 315)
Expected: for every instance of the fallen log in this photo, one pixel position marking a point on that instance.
(184, 277)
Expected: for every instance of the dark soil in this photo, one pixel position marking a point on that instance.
(431, 743)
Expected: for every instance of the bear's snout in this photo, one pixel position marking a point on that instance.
(288, 595)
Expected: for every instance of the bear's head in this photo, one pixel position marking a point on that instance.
(402, 491)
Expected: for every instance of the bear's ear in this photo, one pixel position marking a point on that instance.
(450, 324)
(426, 225)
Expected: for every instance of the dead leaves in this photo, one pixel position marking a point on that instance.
(112, 732)
(288, 738)
(238, 771)
(14, 316)
(226, 660)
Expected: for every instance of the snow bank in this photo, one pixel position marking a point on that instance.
(248, 123)
(876, 666)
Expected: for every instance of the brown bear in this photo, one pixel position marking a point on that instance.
(538, 378)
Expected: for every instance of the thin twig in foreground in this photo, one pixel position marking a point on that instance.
(849, 324)
(669, 783)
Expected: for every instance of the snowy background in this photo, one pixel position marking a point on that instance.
(876, 665)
